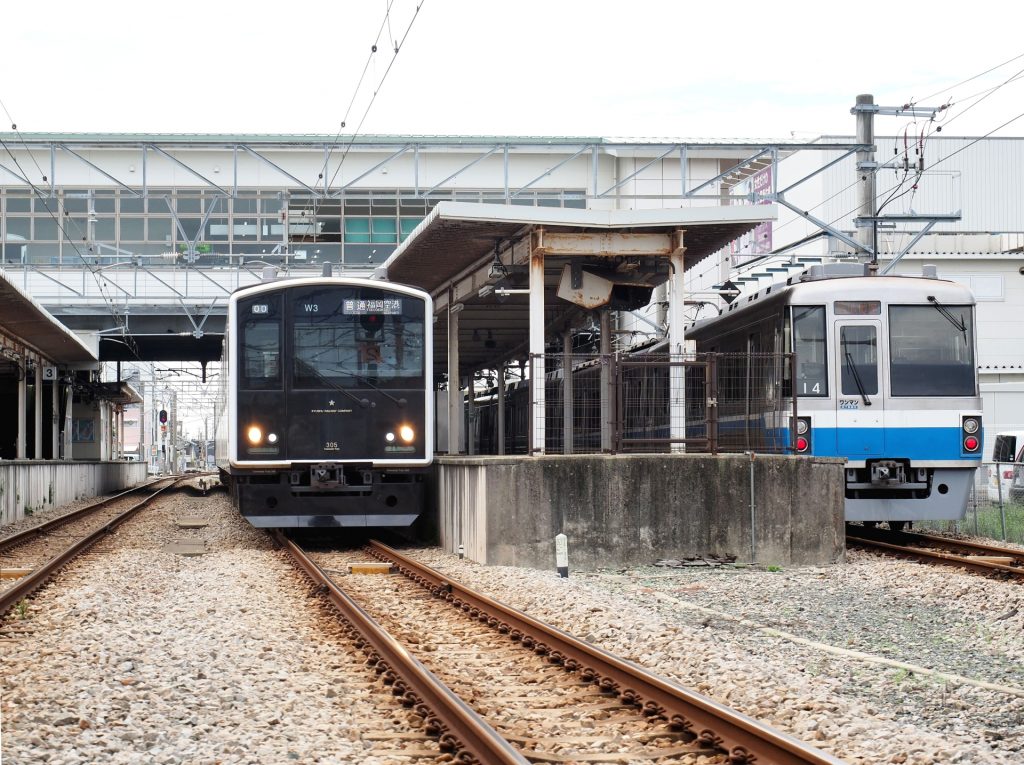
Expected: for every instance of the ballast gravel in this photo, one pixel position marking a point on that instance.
(136, 655)
(139, 655)
(737, 635)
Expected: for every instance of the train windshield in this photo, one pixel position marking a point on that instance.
(809, 345)
(356, 336)
(931, 350)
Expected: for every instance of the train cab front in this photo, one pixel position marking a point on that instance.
(332, 494)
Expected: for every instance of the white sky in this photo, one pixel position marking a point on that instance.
(640, 68)
(631, 69)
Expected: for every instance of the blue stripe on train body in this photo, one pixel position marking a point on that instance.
(919, 444)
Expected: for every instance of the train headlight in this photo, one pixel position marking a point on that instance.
(802, 426)
(272, 438)
(389, 437)
(407, 434)
(254, 434)
(971, 425)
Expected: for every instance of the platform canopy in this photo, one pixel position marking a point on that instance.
(474, 258)
(30, 325)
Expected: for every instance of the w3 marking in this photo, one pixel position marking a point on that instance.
(849, 403)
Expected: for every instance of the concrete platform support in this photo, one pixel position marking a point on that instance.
(33, 486)
(620, 510)
(38, 412)
(22, 415)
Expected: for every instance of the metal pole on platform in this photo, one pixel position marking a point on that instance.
(55, 418)
(471, 414)
(501, 408)
(38, 413)
(567, 401)
(19, 452)
(120, 432)
(537, 372)
(677, 347)
(454, 397)
(606, 375)
(69, 399)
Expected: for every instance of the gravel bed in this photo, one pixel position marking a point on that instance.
(41, 516)
(712, 630)
(137, 655)
(140, 655)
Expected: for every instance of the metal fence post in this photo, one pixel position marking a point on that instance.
(792, 378)
(1002, 509)
(711, 406)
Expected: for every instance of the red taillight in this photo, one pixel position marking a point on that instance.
(971, 444)
(1008, 475)
(801, 444)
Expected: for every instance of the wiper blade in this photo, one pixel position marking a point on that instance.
(310, 369)
(400, 402)
(856, 379)
(960, 324)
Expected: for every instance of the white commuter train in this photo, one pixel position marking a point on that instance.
(886, 377)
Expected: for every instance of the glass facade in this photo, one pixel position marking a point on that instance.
(104, 226)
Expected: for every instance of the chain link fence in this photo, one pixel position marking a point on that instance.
(995, 508)
(641, 403)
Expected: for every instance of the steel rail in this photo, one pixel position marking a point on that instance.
(458, 727)
(963, 546)
(39, 576)
(16, 539)
(930, 556)
(743, 738)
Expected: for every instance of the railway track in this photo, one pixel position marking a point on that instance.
(928, 548)
(36, 554)
(498, 686)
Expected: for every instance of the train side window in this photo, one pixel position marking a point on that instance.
(808, 337)
(260, 344)
(858, 359)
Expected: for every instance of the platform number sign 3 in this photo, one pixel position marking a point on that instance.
(49, 374)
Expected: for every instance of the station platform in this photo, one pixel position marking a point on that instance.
(28, 486)
(625, 510)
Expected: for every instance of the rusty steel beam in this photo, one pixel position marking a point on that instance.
(744, 739)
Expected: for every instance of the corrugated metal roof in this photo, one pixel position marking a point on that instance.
(30, 324)
(319, 139)
(457, 234)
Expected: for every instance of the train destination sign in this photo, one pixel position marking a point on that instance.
(385, 306)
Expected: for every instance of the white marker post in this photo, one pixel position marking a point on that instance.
(562, 555)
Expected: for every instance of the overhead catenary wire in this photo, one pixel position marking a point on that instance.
(108, 301)
(376, 90)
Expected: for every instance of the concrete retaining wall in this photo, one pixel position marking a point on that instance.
(29, 485)
(620, 510)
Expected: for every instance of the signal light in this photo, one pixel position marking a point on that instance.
(801, 444)
(971, 444)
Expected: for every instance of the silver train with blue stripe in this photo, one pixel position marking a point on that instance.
(886, 377)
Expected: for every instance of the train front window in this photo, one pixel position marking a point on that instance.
(357, 337)
(260, 338)
(858, 359)
(931, 350)
(809, 345)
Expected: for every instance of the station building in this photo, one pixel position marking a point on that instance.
(145, 235)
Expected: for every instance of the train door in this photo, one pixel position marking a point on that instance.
(860, 415)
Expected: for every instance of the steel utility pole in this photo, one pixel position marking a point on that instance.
(866, 167)
(868, 214)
